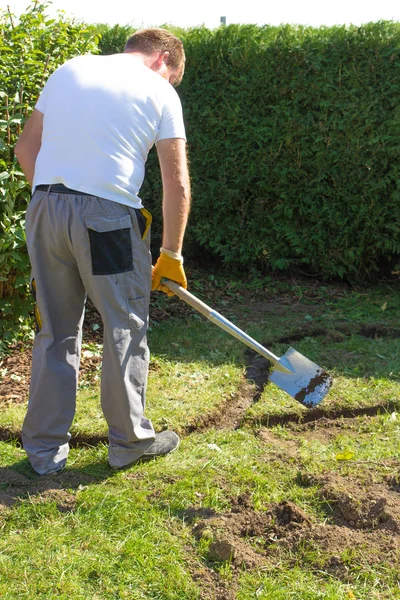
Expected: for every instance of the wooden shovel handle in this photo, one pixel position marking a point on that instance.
(187, 297)
(222, 322)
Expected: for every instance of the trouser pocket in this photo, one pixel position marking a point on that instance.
(118, 284)
(110, 244)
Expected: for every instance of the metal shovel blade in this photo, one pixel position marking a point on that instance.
(308, 383)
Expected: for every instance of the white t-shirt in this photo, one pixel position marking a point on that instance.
(102, 115)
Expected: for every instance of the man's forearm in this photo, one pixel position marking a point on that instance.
(29, 143)
(176, 206)
(176, 192)
(27, 161)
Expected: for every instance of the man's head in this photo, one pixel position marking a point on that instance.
(164, 52)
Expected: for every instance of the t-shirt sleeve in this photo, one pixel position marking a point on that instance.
(49, 85)
(41, 102)
(172, 125)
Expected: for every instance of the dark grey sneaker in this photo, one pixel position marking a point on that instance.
(165, 442)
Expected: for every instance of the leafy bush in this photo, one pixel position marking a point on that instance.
(31, 48)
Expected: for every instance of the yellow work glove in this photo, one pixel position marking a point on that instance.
(170, 266)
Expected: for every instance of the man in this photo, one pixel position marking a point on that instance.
(83, 150)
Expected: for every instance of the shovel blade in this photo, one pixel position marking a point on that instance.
(308, 384)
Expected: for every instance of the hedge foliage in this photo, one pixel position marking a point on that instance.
(294, 146)
(31, 48)
(292, 133)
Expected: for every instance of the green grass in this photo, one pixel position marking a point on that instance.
(116, 544)
(90, 532)
(293, 584)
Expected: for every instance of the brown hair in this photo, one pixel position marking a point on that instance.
(152, 40)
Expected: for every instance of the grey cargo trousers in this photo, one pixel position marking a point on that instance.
(78, 245)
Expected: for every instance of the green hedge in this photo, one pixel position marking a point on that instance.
(293, 139)
(31, 48)
(294, 146)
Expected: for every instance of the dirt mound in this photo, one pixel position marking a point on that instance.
(243, 535)
(289, 515)
(228, 535)
(360, 505)
(364, 523)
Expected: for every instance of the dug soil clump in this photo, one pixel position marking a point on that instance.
(361, 505)
(363, 525)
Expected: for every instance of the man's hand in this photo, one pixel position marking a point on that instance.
(168, 266)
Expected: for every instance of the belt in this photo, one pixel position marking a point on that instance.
(59, 188)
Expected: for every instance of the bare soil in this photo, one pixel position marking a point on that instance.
(359, 522)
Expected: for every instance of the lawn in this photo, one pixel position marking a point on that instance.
(264, 499)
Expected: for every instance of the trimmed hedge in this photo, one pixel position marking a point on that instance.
(292, 133)
(294, 146)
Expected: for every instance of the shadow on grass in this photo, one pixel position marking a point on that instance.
(19, 482)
